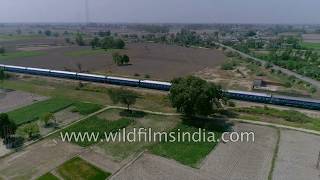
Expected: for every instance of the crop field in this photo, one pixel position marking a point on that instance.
(311, 38)
(297, 157)
(12, 100)
(37, 160)
(95, 124)
(77, 168)
(311, 45)
(145, 59)
(34, 111)
(188, 153)
(119, 151)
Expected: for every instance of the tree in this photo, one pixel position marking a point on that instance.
(2, 75)
(119, 44)
(2, 50)
(79, 39)
(123, 96)
(194, 96)
(29, 130)
(117, 58)
(7, 127)
(47, 33)
(46, 118)
(95, 43)
(125, 59)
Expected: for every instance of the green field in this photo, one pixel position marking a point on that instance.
(77, 168)
(121, 150)
(96, 125)
(86, 52)
(21, 54)
(47, 176)
(190, 153)
(309, 45)
(34, 111)
(85, 108)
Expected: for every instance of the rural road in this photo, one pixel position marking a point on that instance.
(315, 83)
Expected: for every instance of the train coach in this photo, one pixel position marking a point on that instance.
(165, 86)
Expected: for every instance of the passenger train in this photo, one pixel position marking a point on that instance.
(165, 86)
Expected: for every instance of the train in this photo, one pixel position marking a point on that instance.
(298, 102)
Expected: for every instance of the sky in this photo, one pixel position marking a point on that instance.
(163, 11)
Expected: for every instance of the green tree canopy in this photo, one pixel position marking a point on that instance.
(7, 127)
(123, 96)
(194, 96)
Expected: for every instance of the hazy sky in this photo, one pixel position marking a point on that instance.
(181, 11)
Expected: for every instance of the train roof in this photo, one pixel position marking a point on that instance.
(156, 82)
(63, 72)
(38, 69)
(91, 75)
(249, 93)
(18, 67)
(297, 98)
(123, 79)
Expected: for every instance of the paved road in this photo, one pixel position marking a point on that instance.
(315, 83)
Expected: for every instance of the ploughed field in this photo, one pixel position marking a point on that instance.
(158, 61)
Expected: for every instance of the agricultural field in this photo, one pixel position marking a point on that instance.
(311, 38)
(34, 111)
(11, 100)
(77, 168)
(297, 157)
(145, 59)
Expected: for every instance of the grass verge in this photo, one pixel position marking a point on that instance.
(77, 168)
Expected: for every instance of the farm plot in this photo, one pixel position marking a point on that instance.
(157, 168)
(16, 99)
(243, 160)
(120, 150)
(34, 111)
(37, 159)
(297, 156)
(145, 59)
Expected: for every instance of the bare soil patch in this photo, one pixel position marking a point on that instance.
(313, 38)
(297, 157)
(37, 159)
(157, 168)
(11, 100)
(243, 160)
(157, 60)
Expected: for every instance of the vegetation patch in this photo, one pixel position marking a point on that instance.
(96, 125)
(34, 111)
(85, 108)
(77, 168)
(309, 45)
(48, 176)
(284, 117)
(21, 54)
(190, 153)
